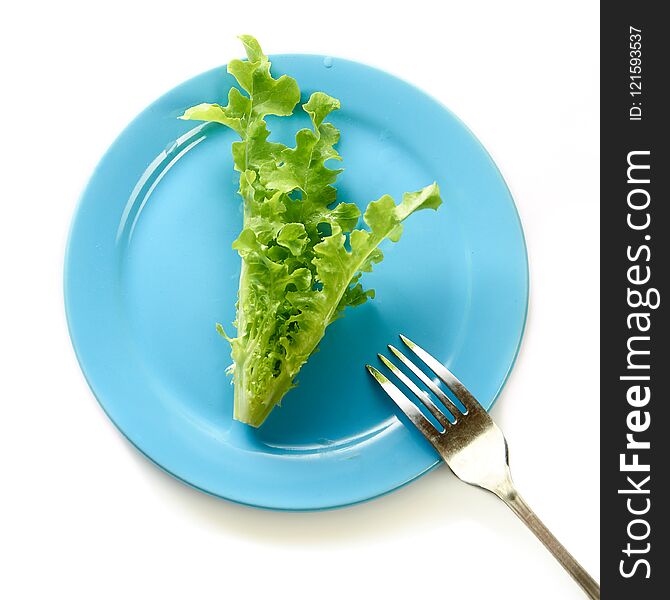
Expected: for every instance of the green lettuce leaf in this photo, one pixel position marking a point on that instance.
(302, 254)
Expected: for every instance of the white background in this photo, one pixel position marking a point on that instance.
(83, 515)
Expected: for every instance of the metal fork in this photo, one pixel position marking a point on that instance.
(471, 444)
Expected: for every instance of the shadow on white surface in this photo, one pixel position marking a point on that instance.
(432, 502)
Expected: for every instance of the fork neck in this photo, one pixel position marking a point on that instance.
(504, 487)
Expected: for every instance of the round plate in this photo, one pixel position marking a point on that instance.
(150, 270)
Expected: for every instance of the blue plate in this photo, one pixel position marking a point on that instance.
(149, 270)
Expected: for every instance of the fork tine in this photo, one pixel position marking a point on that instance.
(453, 409)
(410, 409)
(420, 394)
(445, 375)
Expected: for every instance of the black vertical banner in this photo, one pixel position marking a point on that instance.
(635, 265)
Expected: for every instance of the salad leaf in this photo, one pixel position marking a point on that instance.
(302, 253)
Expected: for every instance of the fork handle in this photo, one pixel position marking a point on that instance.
(525, 513)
